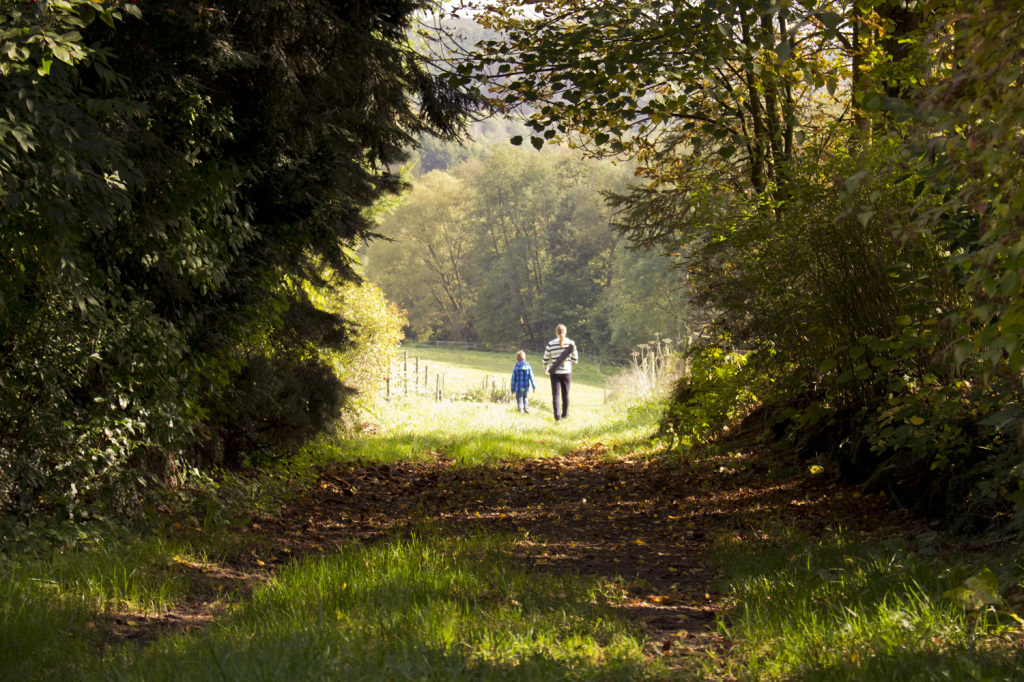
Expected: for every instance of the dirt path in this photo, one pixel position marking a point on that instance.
(643, 524)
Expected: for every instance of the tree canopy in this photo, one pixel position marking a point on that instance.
(837, 177)
(168, 174)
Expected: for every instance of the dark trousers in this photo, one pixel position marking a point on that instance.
(560, 384)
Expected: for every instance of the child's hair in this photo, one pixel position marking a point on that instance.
(521, 355)
(560, 333)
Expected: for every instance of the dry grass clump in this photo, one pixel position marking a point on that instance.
(653, 368)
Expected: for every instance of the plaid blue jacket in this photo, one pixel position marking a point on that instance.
(522, 377)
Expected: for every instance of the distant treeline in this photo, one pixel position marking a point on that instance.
(499, 244)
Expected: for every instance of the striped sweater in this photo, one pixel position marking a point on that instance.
(553, 350)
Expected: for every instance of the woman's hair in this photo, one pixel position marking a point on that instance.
(560, 333)
(521, 355)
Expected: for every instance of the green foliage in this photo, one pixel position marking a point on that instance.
(817, 283)
(426, 266)
(163, 182)
(647, 298)
(966, 146)
(729, 81)
(718, 388)
(78, 355)
(981, 595)
(502, 249)
(543, 244)
(366, 364)
(946, 447)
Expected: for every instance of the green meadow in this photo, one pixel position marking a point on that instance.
(477, 426)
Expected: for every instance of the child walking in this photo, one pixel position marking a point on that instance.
(522, 381)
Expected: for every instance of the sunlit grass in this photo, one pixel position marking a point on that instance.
(52, 602)
(856, 609)
(421, 607)
(477, 433)
(468, 370)
(143, 573)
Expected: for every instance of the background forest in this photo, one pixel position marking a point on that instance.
(502, 246)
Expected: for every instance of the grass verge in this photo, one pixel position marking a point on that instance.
(423, 607)
(847, 608)
(485, 433)
(56, 606)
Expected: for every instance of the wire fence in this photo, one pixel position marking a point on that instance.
(652, 367)
(410, 376)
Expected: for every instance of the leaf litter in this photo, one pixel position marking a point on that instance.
(646, 525)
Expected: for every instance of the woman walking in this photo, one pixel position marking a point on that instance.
(559, 357)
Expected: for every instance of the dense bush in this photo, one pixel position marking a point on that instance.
(164, 182)
(856, 333)
(365, 364)
(716, 391)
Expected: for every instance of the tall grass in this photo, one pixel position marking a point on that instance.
(426, 607)
(848, 609)
(653, 368)
(40, 633)
(52, 603)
